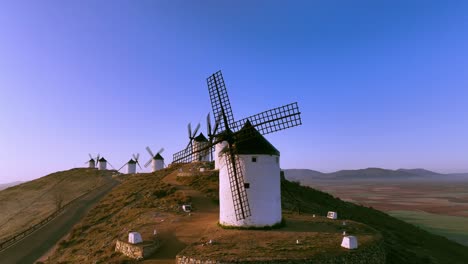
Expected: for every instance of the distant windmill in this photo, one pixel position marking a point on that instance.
(211, 132)
(157, 160)
(102, 163)
(202, 143)
(191, 136)
(249, 176)
(131, 168)
(92, 161)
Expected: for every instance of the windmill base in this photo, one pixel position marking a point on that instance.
(251, 227)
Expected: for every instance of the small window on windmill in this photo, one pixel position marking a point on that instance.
(246, 185)
(277, 160)
(254, 159)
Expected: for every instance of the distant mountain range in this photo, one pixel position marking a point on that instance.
(306, 176)
(10, 184)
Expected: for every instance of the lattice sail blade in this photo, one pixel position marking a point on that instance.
(220, 100)
(183, 156)
(148, 163)
(236, 181)
(272, 120)
(215, 130)
(122, 166)
(110, 165)
(196, 130)
(208, 125)
(160, 151)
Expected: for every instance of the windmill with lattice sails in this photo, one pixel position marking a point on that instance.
(249, 171)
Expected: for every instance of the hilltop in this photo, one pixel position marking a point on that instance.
(403, 242)
(28, 203)
(152, 201)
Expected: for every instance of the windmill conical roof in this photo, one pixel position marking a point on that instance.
(158, 157)
(201, 138)
(250, 141)
(131, 161)
(102, 159)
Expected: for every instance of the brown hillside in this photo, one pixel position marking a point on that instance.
(148, 202)
(27, 204)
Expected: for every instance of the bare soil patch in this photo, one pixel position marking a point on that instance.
(316, 236)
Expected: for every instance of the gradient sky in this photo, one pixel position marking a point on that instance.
(379, 83)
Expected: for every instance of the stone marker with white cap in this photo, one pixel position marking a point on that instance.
(134, 238)
(349, 242)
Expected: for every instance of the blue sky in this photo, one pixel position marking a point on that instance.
(379, 83)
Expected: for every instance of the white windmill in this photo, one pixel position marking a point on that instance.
(249, 171)
(156, 161)
(201, 142)
(92, 161)
(102, 164)
(192, 144)
(131, 164)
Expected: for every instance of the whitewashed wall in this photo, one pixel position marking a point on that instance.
(264, 193)
(218, 148)
(157, 164)
(103, 165)
(131, 168)
(203, 155)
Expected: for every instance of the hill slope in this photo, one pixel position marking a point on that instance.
(404, 243)
(10, 184)
(140, 198)
(146, 198)
(28, 203)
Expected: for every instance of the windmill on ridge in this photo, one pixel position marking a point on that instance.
(157, 160)
(196, 142)
(201, 142)
(102, 163)
(249, 171)
(92, 161)
(211, 135)
(131, 164)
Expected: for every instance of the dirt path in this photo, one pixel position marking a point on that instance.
(38, 243)
(188, 229)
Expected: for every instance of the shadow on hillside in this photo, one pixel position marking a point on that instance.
(170, 247)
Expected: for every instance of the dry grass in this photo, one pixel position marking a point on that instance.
(206, 183)
(404, 243)
(146, 201)
(317, 236)
(133, 205)
(27, 204)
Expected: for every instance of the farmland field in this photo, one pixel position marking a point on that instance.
(453, 227)
(439, 207)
